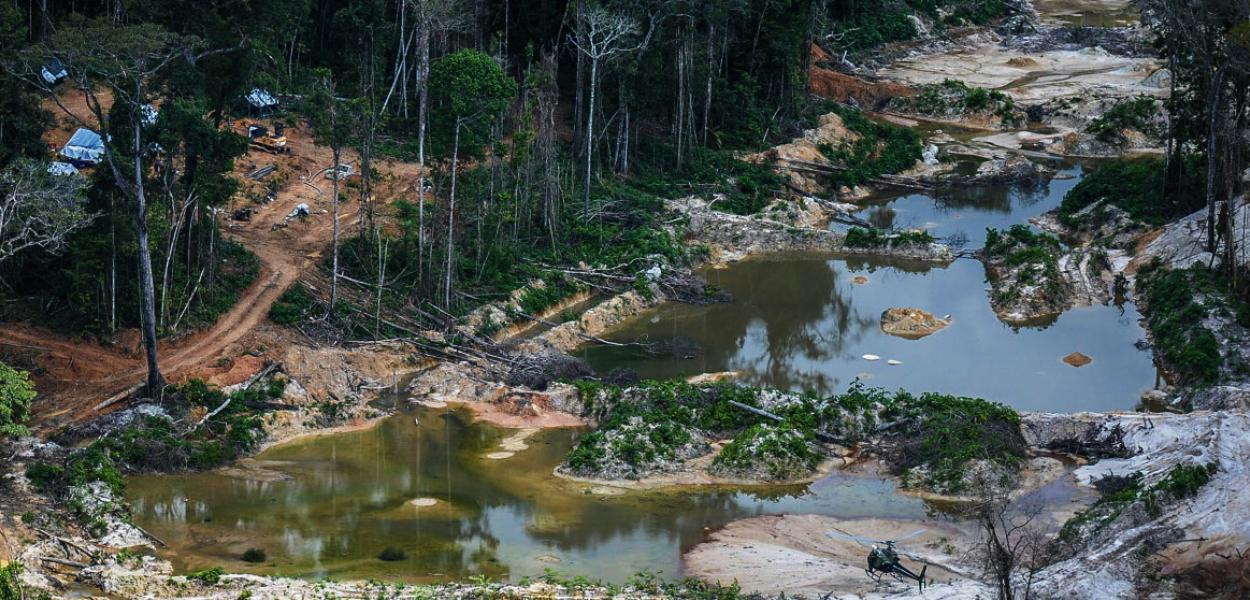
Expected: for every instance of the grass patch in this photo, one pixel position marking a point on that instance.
(293, 306)
(781, 451)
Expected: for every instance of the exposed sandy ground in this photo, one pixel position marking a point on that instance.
(1088, 13)
(1042, 76)
(794, 554)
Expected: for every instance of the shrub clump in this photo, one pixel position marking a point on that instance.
(1025, 265)
(954, 99)
(767, 451)
(882, 148)
(1137, 187)
(1136, 114)
(293, 306)
(16, 393)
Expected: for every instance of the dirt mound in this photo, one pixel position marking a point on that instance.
(1077, 359)
(911, 323)
(831, 84)
(1022, 62)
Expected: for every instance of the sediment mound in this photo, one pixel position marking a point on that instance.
(911, 323)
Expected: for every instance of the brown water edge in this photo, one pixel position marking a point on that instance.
(345, 498)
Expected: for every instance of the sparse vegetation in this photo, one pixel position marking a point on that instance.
(953, 99)
(858, 237)
(1135, 114)
(1120, 493)
(649, 427)
(1024, 261)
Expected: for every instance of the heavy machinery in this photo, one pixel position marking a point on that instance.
(262, 138)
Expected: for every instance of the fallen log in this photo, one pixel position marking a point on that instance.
(824, 437)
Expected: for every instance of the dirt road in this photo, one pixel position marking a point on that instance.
(73, 375)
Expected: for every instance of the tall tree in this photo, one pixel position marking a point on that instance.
(470, 89)
(38, 209)
(605, 35)
(332, 126)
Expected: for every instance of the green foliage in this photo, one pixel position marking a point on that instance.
(293, 306)
(782, 451)
(746, 187)
(16, 393)
(1138, 187)
(1137, 114)
(883, 148)
(872, 24)
(953, 98)
(1176, 315)
(942, 433)
(11, 587)
(209, 576)
(469, 88)
(253, 555)
(1033, 257)
(556, 287)
(857, 237)
(647, 422)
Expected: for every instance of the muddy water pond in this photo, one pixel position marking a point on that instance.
(332, 504)
(806, 322)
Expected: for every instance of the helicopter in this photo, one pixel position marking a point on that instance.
(885, 559)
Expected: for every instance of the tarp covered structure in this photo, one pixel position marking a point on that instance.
(261, 98)
(62, 168)
(54, 71)
(84, 148)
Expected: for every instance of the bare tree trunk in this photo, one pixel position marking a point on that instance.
(578, 97)
(1213, 108)
(334, 260)
(451, 214)
(590, 136)
(423, 76)
(147, 302)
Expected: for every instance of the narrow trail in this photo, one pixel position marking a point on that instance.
(75, 375)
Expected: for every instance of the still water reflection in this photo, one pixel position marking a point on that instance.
(347, 498)
(804, 322)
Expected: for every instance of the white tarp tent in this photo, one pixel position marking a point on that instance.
(62, 168)
(261, 98)
(84, 148)
(53, 72)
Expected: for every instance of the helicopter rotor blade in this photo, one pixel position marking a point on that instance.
(911, 535)
(842, 535)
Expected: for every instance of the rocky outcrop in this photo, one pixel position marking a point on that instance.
(732, 237)
(911, 323)
(805, 150)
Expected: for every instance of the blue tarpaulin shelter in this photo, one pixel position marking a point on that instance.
(85, 148)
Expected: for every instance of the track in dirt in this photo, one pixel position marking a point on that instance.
(75, 375)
